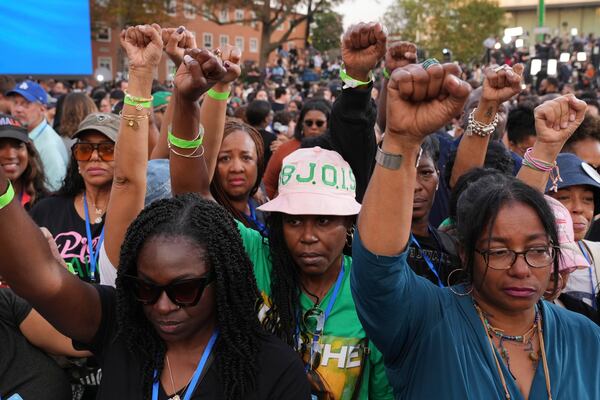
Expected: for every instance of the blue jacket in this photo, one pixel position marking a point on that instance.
(435, 347)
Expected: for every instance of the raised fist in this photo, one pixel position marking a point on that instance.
(420, 101)
(231, 57)
(399, 55)
(556, 120)
(176, 41)
(502, 83)
(363, 46)
(143, 44)
(200, 70)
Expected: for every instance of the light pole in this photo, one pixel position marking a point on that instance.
(541, 12)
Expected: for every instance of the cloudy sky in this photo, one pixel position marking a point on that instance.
(362, 10)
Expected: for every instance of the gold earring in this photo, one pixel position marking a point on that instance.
(349, 236)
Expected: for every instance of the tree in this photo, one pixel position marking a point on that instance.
(329, 28)
(269, 15)
(458, 25)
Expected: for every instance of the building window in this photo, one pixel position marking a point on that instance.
(253, 24)
(239, 42)
(223, 40)
(205, 12)
(172, 7)
(224, 15)
(281, 26)
(103, 33)
(239, 15)
(253, 45)
(105, 62)
(207, 39)
(189, 9)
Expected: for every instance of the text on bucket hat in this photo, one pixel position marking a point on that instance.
(31, 91)
(314, 181)
(571, 256)
(105, 123)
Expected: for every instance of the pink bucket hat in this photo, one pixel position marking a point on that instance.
(314, 181)
(571, 256)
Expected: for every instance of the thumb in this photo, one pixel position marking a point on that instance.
(457, 92)
(153, 33)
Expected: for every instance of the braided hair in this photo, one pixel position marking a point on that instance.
(236, 293)
(282, 318)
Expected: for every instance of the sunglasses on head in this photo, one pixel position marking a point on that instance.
(309, 123)
(83, 151)
(183, 293)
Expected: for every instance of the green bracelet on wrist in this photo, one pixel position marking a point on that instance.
(7, 197)
(213, 94)
(350, 82)
(386, 73)
(186, 144)
(131, 102)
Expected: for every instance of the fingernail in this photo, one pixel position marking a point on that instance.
(572, 117)
(187, 59)
(564, 125)
(180, 29)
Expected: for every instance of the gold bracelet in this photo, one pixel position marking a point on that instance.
(191, 155)
(133, 121)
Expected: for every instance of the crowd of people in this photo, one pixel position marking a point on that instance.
(335, 238)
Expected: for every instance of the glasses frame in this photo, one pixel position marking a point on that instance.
(96, 148)
(169, 289)
(485, 254)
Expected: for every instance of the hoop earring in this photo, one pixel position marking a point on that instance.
(451, 286)
(349, 236)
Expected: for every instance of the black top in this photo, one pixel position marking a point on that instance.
(574, 304)
(24, 369)
(58, 215)
(268, 138)
(441, 250)
(352, 134)
(280, 371)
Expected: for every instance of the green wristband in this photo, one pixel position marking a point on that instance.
(7, 197)
(213, 94)
(350, 82)
(186, 144)
(386, 74)
(131, 102)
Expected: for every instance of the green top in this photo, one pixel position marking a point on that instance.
(343, 339)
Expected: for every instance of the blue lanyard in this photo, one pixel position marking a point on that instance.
(590, 271)
(88, 230)
(252, 217)
(427, 260)
(321, 322)
(196, 377)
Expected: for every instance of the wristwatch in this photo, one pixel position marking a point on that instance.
(388, 160)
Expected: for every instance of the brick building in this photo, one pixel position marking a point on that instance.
(106, 50)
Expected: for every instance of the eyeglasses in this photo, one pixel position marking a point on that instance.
(502, 259)
(83, 151)
(309, 123)
(183, 293)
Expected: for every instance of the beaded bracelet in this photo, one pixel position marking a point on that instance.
(543, 166)
(213, 94)
(183, 143)
(8, 196)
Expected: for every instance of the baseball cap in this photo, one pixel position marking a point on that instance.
(574, 172)
(571, 256)
(105, 123)
(30, 91)
(160, 98)
(315, 181)
(11, 128)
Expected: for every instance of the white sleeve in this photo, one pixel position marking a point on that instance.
(108, 273)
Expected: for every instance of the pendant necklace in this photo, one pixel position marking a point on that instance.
(175, 394)
(99, 211)
(538, 324)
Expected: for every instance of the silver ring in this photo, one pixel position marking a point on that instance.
(502, 67)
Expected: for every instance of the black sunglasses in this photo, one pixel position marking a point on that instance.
(183, 293)
(309, 123)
